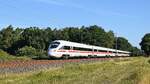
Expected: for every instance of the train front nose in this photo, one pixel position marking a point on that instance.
(51, 52)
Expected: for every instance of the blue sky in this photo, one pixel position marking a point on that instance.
(127, 18)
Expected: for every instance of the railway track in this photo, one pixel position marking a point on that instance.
(33, 65)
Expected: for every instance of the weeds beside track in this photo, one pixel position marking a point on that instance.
(20, 66)
(115, 71)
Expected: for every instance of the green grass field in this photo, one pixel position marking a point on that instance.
(124, 71)
(6, 57)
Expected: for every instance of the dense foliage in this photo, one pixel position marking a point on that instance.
(27, 51)
(13, 40)
(31, 52)
(145, 44)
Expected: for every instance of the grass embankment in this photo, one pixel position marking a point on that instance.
(128, 71)
(4, 57)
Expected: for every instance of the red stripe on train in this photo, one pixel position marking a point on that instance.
(77, 51)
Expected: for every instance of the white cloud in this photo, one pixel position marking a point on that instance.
(54, 2)
(69, 3)
(66, 3)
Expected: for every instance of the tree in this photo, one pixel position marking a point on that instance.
(14, 39)
(110, 38)
(47, 37)
(74, 34)
(57, 34)
(95, 35)
(136, 51)
(34, 37)
(123, 44)
(145, 44)
(6, 36)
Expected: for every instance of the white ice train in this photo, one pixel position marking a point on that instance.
(66, 49)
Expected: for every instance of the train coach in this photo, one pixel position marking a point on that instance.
(66, 49)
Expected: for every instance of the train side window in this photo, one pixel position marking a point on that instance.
(87, 49)
(110, 51)
(95, 50)
(77, 48)
(101, 51)
(66, 47)
(82, 49)
(113, 52)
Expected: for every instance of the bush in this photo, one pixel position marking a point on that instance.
(41, 54)
(27, 51)
(31, 52)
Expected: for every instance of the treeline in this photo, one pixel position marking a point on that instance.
(21, 41)
(145, 44)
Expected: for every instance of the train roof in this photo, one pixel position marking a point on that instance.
(68, 43)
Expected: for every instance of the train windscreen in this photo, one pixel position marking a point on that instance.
(54, 45)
